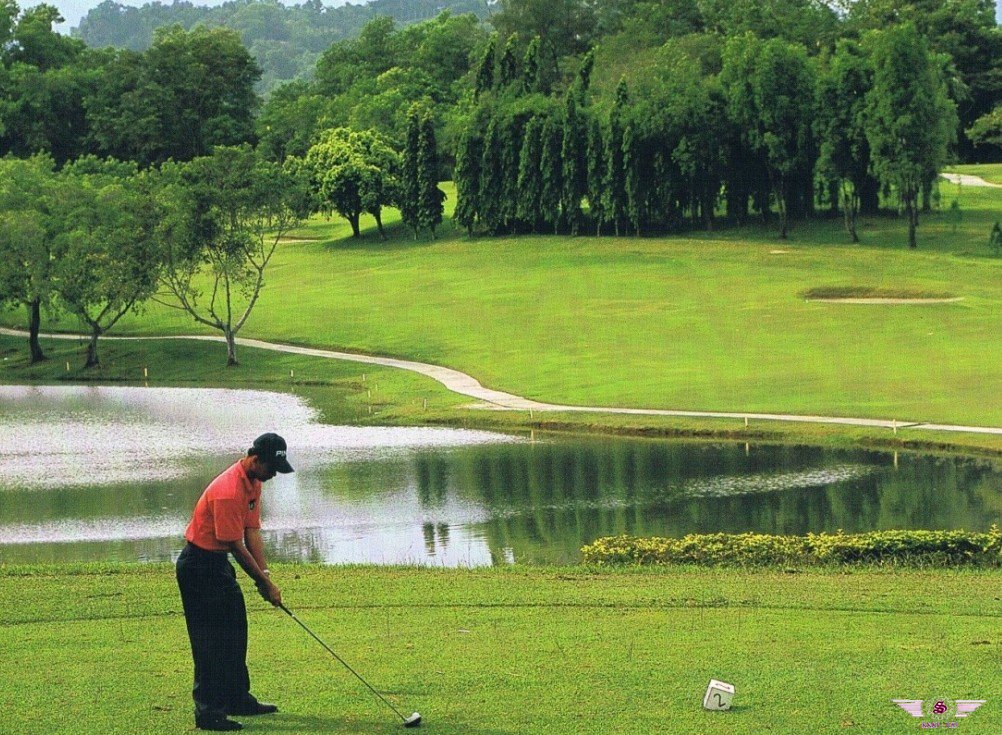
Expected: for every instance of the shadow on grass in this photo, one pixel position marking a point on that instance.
(398, 237)
(284, 722)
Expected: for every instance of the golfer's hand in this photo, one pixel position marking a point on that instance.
(271, 593)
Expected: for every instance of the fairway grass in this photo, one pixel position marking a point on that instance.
(102, 649)
(703, 322)
(708, 321)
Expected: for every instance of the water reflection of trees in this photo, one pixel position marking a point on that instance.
(542, 502)
(546, 501)
(96, 502)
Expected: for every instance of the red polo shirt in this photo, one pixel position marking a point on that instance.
(230, 504)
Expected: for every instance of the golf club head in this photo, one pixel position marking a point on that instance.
(413, 721)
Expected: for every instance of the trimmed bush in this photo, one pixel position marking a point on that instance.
(903, 548)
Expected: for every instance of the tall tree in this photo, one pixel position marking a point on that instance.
(430, 197)
(770, 87)
(492, 177)
(376, 50)
(33, 40)
(28, 227)
(596, 172)
(530, 179)
(467, 175)
(573, 154)
(966, 30)
(225, 215)
(290, 120)
(635, 182)
(508, 72)
(910, 118)
(530, 67)
(615, 176)
(551, 172)
(110, 255)
(44, 76)
(840, 123)
(409, 178)
(484, 74)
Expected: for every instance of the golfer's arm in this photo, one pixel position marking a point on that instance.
(247, 562)
(252, 538)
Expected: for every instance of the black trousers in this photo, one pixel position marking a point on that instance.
(216, 617)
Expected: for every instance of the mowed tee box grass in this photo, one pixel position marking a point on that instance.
(102, 649)
(704, 321)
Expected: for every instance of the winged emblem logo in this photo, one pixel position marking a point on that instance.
(939, 709)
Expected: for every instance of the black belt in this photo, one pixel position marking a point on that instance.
(199, 551)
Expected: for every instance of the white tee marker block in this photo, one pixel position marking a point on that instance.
(718, 696)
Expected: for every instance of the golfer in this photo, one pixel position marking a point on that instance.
(227, 520)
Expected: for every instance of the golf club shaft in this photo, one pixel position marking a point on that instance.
(342, 661)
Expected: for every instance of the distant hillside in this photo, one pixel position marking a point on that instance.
(285, 40)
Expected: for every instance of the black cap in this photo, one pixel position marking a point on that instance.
(270, 448)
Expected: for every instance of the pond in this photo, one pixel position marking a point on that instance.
(102, 473)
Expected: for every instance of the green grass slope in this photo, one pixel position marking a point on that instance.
(99, 650)
(703, 322)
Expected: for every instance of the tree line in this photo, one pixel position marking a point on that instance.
(623, 116)
(772, 130)
(98, 238)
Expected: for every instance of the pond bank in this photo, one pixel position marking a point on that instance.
(377, 392)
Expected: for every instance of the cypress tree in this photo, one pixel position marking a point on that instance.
(510, 132)
(551, 171)
(631, 177)
(615, 177)
(530, 179)
(492, 179)
(574, 168)
(409, 176)
(584, 76)
(467, 176)
(485, 69)
(430, 197)
(530, 67)
(596, 173)
(508, 66)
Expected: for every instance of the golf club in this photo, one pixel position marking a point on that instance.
(413, 721)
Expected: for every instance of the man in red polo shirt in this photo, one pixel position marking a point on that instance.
(227, 520)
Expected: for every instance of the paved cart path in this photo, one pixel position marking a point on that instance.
(969, 180)
(492, 399)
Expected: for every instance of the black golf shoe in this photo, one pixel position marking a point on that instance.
(217, 723)
(251, 707)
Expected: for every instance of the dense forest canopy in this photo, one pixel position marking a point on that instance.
(739, 92)
(285, 40)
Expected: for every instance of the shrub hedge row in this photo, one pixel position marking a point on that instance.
(904, 548)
